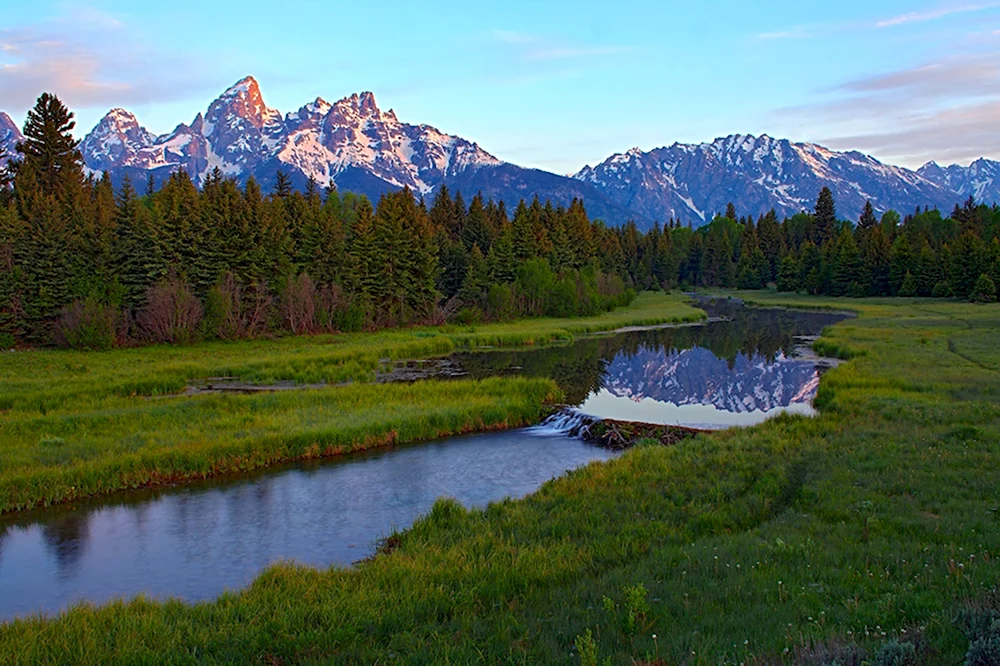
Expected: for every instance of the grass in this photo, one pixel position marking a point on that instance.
(58, 458)
(876, 520)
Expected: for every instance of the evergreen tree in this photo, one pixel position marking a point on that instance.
(868, 220)
(49, 150)
(826, 217)
(282, 185)
(788, 274)
(141, 264)
(984, 290)
(900, 263)
(847, 266)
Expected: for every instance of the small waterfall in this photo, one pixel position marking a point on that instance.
(569, 421)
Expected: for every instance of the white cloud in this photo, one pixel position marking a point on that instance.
(89, 59)
(935, 14)
(947, 109)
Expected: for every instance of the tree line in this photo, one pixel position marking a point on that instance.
(85, 264)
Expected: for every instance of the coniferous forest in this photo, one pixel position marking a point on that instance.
(88, 265)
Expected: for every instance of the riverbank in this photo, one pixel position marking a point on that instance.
(805, 537)
(82, 424)
(58, 458)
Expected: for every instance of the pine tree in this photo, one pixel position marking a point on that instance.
(826, 217)
(868, 219)
(282, 185)
(847, 266)
(875, 264)
(900, 263)
(140, 263)
(501, 262)
(788, 274)
(49, 150)
(477, 279)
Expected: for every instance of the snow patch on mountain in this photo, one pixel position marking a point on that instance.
(693, 181)
(980, 180)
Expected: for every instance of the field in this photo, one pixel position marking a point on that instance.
(818, 540)
(77, 424)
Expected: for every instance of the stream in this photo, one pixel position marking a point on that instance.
(197, 540)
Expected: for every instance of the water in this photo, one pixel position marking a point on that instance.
(733, 372)
(196, 541)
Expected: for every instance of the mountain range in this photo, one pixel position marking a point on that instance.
(696, 376)
(364, 149)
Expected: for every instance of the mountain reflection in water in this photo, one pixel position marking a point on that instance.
(739, 371)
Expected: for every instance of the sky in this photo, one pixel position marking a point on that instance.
(553, 84)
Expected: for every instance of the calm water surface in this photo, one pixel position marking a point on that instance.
(196, 541)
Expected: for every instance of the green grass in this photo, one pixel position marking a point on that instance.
(877, 518)
(57, 458)
(80, 424)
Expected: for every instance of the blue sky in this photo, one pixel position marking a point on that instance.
(550, 84)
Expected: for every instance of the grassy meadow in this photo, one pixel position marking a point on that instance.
(77, 424)
(799, 540)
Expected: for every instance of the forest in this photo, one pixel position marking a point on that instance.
(86, 265)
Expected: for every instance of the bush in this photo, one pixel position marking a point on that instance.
(909, 287)
(468, 316)
(171, 314)
(298, 305)
(233, 312)
(984, 291)
(895, 653)
(942, 290)
(87, 324)
(500, 302)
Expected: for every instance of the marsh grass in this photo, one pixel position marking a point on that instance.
(46, 459)
(870, 523)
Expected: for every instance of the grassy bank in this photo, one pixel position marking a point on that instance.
(53, 381)
(78, 424)
(874, 521)
(57, 458)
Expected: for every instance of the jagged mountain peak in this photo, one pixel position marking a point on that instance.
(241, 101)
(10, 136)
(758, 173)
(980, 180)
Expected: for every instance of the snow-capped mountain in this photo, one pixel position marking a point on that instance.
(242, 136)
(981, 179)
(698, 377)
(352, 142)
(117, 140)
(10, 136)
(694, 182)
(367, 150)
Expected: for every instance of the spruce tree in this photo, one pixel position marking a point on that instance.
(868, 219)
(788, 274)
(49, 150)
(826, 217)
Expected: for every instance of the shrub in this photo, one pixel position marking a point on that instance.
(942, 290)
(984, 651)
(171, 314)
(500, 302)
(909, 287)
(298, 305)
(87, 324)
(984, 291)
(895, 653)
